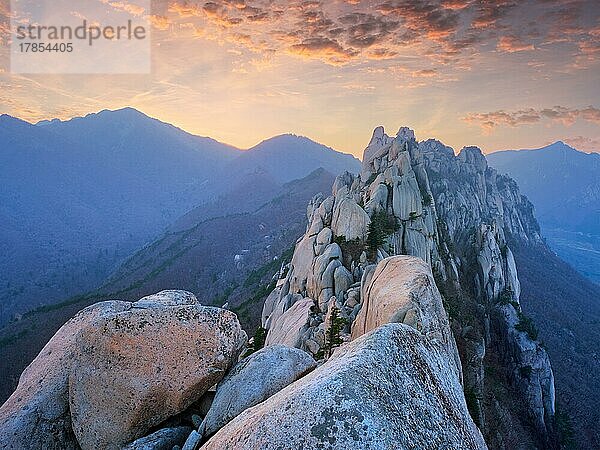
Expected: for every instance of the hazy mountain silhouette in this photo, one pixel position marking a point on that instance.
(563, 184)
(78, 196)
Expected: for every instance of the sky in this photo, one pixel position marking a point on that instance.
(497, 74)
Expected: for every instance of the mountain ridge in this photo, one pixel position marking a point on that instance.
(118, 178)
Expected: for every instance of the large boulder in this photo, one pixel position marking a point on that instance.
(301, 263)
(349, 219)
(253, 380)
(36, 416)
(391, 388)
(135, 367)
(402, 289)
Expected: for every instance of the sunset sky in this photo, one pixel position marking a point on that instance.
(497, 74)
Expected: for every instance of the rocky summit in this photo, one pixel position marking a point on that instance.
(455, 217)
(396, 324)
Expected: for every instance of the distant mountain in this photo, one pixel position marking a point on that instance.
(564, 186)
(289, 157)
(78, 196)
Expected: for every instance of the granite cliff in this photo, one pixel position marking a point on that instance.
(458, 216)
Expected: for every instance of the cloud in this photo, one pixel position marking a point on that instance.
(160, 22)
(134, 10)
(585, 144)
(451, 33)
(490, 13)
(325, 48)
(512, 44)
(567, 116)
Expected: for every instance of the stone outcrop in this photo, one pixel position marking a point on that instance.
(349, 219)
(391, 388)
(164, 439)
(135, 368)
(457, 215)
(528, 365)
(118, 369)
(402, 290)
(291, 325)
(253, 380)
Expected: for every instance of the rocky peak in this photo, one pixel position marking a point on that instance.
(406, 134)
(474, 156)
(452, 212)
(378, 141)
(403, 287)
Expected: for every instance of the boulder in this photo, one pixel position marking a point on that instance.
(402, 290)
(290, 326)
(343, 180)
(320, 281)
(36, 416)
(302, 259)
(342, 280)
(391, 388)
(281, 306)
(253, 380)
(137, 366)
(164, 439)
(167, 298)
(349, 219)
(323, 240)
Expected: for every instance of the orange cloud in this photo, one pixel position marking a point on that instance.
(324, 48)
(512, 44)
(447, 32)
(160, 22)
(567, 116)
(585, 144)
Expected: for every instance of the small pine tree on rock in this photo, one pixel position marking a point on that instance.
(333, 335)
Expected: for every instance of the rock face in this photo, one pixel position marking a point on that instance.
(458, 216)
(402, 290)
(291, 325)
(529, 366)
(391, 388)
(349, 219)
(135, 368)
(117, 369)
(253, 380)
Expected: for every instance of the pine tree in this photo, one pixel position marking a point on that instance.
(381, 226)
(332, 337)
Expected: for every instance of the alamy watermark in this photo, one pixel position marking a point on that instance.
(86, 37)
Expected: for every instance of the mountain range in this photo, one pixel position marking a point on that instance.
(564, 187)
(81, 195)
